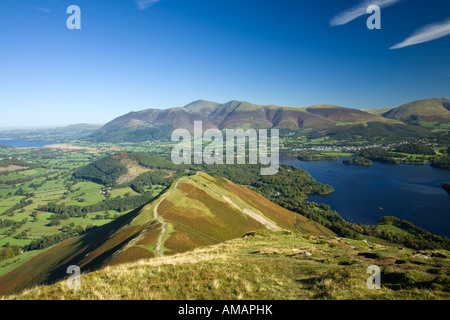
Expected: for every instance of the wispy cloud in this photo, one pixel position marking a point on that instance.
(359, 10)
(43, 9)
(144, 4)
(429, 32)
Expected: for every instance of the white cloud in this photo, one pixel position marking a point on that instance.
(429, 32)
(43, 9)
(359, 10)
(144, 4)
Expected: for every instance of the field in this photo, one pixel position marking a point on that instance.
(45, 176)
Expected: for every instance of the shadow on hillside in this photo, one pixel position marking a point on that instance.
(51, 266)
(91, 241)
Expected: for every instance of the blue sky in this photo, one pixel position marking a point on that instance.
(136, 54)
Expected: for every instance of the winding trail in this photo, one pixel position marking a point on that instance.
(160, 220)
(315, 225)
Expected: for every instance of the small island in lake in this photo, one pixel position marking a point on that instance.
(358, 161)
(446, 186)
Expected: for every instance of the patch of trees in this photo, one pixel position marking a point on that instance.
(21, 192)
(311, 156)
(17, 162)
(441, 162)
(47, 241)
(322, 214)
(120, 204)
(103, 171)
(291, 183)
(358, 161)
(418, 239)
(154, 162)
(22, 203)
(378, 154)
(9, 252)
(148, 179)
(6, 223)
(18, 181)
(243, 174)
(446, 186)
(415, 148)
(37, 185)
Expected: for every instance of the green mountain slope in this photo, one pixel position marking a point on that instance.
(195, 211)
(346, 115)
(421, 112)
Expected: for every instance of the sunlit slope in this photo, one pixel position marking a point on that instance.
(195, 211)
(421, 111)
(265, 266)
(201, 210)
(342, 115)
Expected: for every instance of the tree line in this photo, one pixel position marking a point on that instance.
(442, 162)
(9, 252)
(415, 148)
(119, 204)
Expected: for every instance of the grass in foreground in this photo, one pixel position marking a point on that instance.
(268, 265)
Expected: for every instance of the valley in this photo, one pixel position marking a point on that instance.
(244, 152)
(108, 200)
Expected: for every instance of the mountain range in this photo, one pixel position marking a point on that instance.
(157, 123)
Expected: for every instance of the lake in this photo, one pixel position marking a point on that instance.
(24, 143)
(409, 192)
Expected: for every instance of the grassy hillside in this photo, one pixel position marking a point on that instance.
(195, 211)
(267, 265)
(434, 112)
(346, 115)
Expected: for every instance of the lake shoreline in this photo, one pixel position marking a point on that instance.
(408, 192)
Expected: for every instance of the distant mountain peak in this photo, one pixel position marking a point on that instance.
(158, 123)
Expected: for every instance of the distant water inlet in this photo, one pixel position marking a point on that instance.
(364, 194)
(24, 143)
